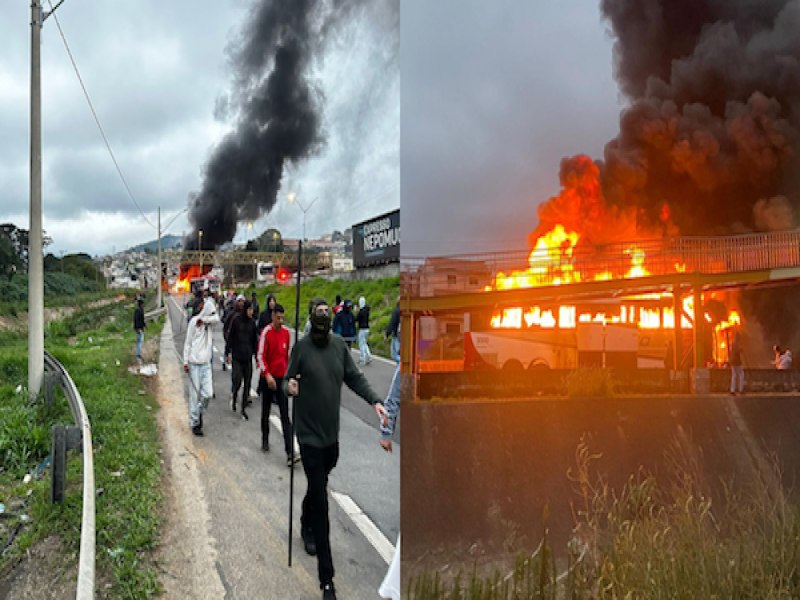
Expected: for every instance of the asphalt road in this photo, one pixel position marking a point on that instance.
(247, 492)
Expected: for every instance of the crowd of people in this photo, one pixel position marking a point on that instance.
(311, 372)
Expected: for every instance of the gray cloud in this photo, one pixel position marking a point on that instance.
(493, 95)
(158, 74)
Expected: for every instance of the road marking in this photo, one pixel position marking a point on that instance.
(277, 423)
(374, 357)
(367, 527)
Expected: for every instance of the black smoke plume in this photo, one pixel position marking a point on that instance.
(279, 114)
(709, 141)
(711, 129)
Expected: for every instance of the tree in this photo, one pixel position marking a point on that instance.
(9, 260)
(270, 241)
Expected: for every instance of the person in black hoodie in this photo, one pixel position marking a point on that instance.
(362, 318)
(344, 323)
(265, 318)
(243, 343)
(138, 326)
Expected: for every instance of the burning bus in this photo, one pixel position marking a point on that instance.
(635, 332)
(626, 328)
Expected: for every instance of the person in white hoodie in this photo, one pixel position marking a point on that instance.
(197, 362)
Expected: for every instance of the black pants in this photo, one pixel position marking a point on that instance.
(269, 396)
(318, 463)
(242, 370)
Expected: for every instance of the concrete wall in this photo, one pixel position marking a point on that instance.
(477, 476)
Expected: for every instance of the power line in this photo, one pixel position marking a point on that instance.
(96, 119)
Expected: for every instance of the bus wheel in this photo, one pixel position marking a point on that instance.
(538, 365)
(513, 366)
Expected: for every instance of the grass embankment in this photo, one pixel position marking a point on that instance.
(95, 346)
(651, 541)
(381, 295)
(60, 289)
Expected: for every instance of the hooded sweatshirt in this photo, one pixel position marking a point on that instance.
(363, 314)
(198, 344)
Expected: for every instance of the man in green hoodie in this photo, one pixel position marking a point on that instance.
(320, 362)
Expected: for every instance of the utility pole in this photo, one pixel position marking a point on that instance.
(160, 272)
(35, 259)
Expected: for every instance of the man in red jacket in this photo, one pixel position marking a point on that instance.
(273, 357)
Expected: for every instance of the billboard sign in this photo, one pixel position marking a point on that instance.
(377, 241)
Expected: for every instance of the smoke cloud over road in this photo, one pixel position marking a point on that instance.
(278, 113)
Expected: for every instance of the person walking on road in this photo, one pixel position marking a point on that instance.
(393, 330)
(344, 323)
(362, 319)
(265, 317)
(735, 361)
(273, 358)
(138, 326)
(197, 362)
(256, 308)
(243, 343)
(234, 312)
(319, 364)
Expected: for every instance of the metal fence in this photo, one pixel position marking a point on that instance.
(61, 439)
(434, 276)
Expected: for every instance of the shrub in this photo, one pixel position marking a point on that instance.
(588, 382)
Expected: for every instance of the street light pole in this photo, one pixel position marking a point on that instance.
(160, 267)
(293, 199)
(160, 264)
(35, 259)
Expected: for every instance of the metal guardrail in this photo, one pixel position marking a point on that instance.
(435, 276)
(86, 559)
(155, 313)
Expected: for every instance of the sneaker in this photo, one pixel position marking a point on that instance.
(197, 430)
(308, 541)
(328, 591)
(244, 415)
(264, 446)
(290, 462)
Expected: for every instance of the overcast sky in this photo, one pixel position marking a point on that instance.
(494, 94)
(158, 73)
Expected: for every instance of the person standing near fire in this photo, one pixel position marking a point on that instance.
(319, 364)
(737, 367)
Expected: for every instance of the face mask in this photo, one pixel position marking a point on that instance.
(320, 327)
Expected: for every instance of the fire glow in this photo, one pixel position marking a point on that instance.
(552, 263)
(185, 275)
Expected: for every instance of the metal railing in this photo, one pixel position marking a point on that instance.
(435, 276)
(83, 429)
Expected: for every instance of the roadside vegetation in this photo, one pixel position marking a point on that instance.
(652, 541)
(78, 283)
(95, 345)
(381, 295)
